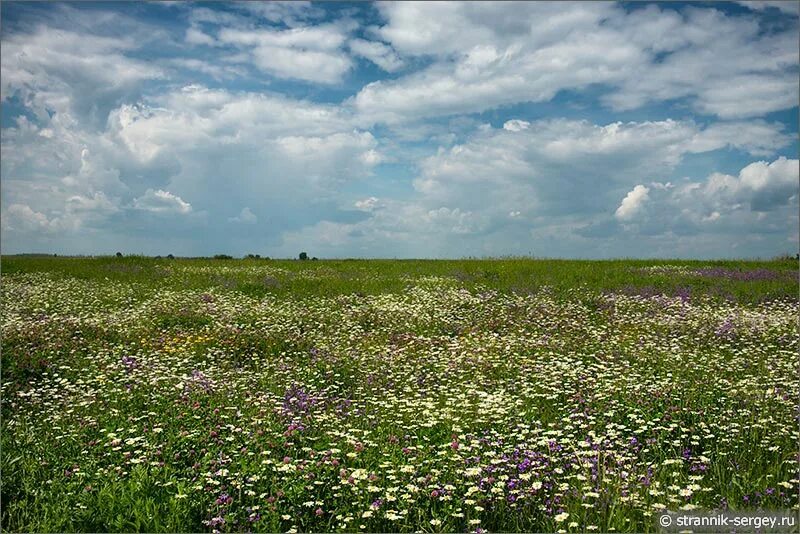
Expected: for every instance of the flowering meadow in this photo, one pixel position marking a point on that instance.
(378, 396)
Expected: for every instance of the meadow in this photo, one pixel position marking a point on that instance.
(505, 395)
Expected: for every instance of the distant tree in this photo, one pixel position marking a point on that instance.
(258, 256)
(170, 256)
(314, 258)
(303, 256)
(222, 257)
(119, 254)
(158, 257)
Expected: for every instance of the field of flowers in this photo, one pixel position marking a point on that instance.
(367, 396)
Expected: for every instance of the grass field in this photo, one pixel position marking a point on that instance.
(500, 395)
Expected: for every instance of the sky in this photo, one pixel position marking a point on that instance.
(400, 130)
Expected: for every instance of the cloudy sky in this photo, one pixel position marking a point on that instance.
(419, 129)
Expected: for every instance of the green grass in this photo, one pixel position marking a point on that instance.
(271, 395)
(337, 277)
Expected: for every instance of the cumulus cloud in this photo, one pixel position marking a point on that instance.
(96, 203)
(245, 217)
(77, 211)
(114, 124)
(291, 13)
(379, 53)
(53, 68)
(633, 203)
(757, 137)
(455, 221)
(196, 36)
(516, 125)
(487, 55)
(398, 229)
(160, 201)
(558, 184)
(789, 7)
(218, 71)
(698, 218)
(368, 204)
(22, 217)
(761, 199)
(561, 166)
(761, 184)
(278, 156)
(198, 114)
(310, 53)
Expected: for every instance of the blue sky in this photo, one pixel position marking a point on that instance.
(423, 129)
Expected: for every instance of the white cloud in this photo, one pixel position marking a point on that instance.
(749, 95)
(379, 53)
(80, 73)
(541, 184)
(399, 229)
(516, 125)
(311, 53)
(218, 71)
(487, 55)
(445, 28)
(196, 36)
(22, 217)
(633, 203)
(722, 64)
(329, 160)
(695, 218)
(791, 7)
(97, 203)
(112, 139)
(197, 114)
(568, 166)
(761, 185)
(455, 221)
(292, 13)
(199, 15)
(756, 137)
(160, 201)
(245, 217)
(761, 199)
(368, 204)
(310, 65)
(284, 158)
